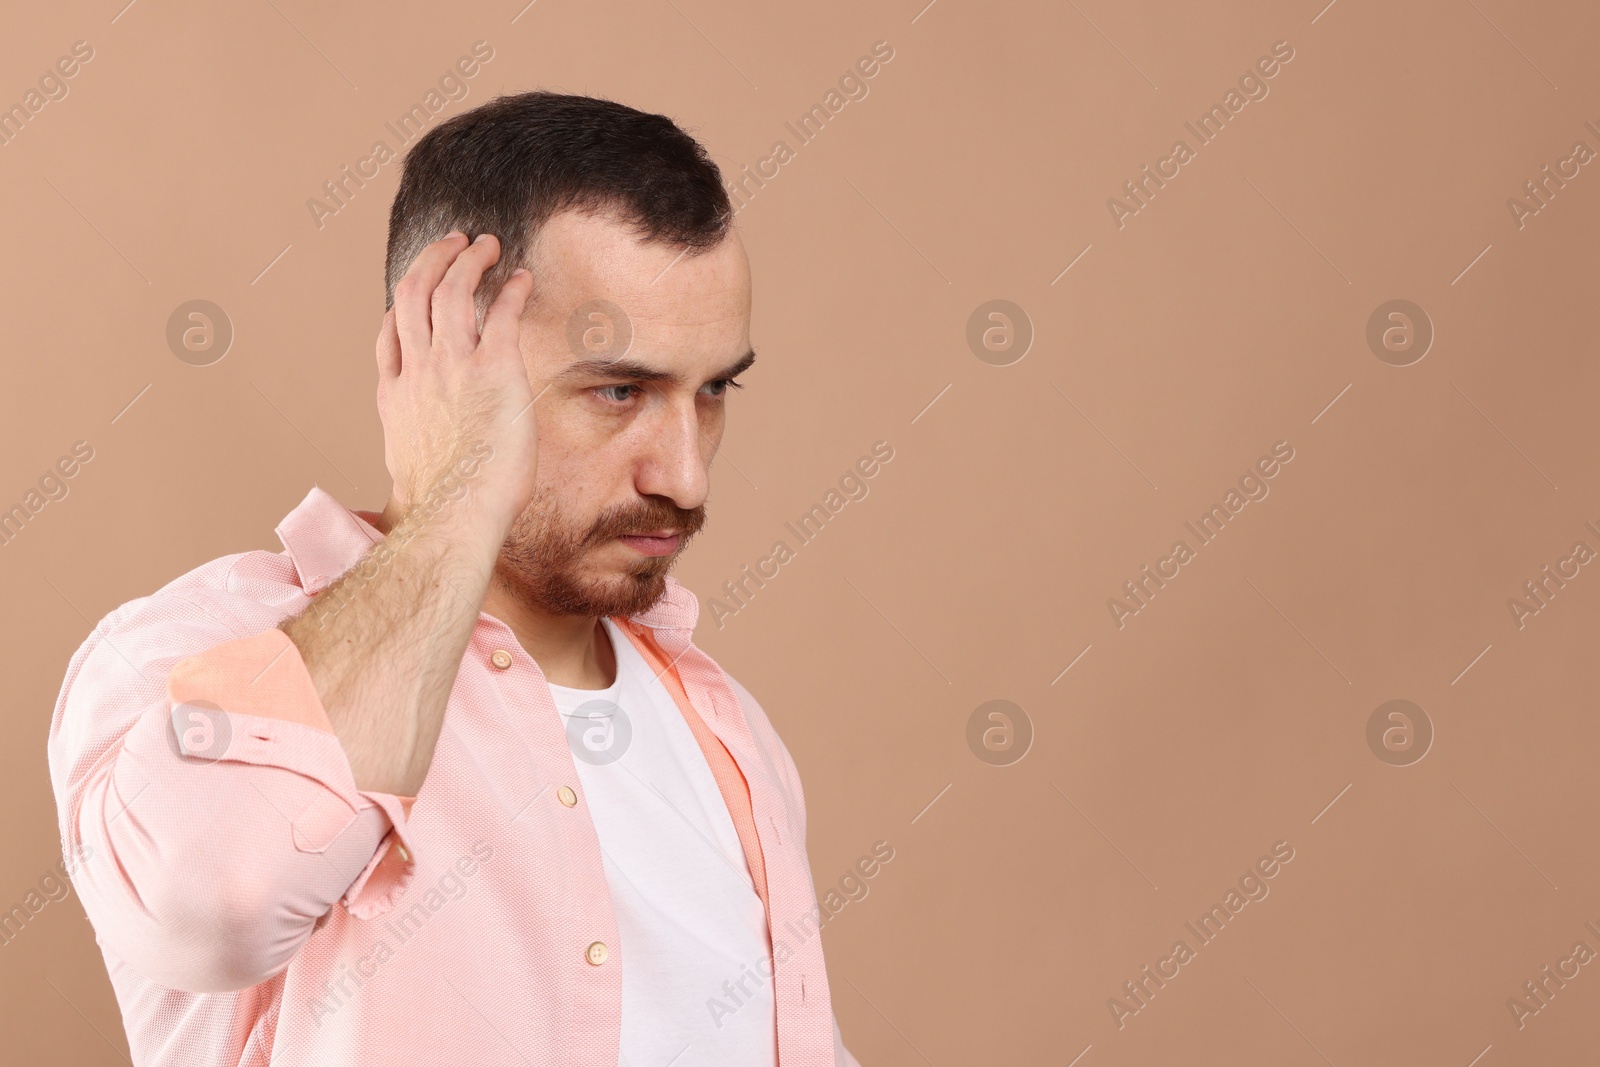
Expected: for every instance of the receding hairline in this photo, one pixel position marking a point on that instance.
(616, 213)
(535, 248)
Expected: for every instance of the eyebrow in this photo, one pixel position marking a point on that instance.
(634, 370)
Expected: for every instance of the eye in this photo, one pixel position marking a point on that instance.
(721, 386)
(607, 392)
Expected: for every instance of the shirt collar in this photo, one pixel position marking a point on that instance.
(323, 539)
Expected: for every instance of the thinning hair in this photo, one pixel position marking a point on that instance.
(508, 165)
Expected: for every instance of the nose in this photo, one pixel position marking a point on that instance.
(675, 455)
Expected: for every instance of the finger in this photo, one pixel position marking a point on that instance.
(413, 294)
(388, 348)
(501, 324)
(454, 308)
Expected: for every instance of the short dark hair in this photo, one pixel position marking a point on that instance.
(506, 166)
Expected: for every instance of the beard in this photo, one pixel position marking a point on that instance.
(542, 561)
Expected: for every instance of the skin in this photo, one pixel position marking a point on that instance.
(527, 534)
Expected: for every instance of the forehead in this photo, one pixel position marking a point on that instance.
(666, 292)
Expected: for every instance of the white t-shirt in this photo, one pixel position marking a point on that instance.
(693, 930)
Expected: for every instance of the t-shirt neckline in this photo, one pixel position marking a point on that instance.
(578, 697)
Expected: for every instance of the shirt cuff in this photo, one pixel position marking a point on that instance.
(261, 675)
(252, 700)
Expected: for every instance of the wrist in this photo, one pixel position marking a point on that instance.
(465, 525)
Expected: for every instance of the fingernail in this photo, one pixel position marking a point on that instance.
(455, 233)
(478, 238)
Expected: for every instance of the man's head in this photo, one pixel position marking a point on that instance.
(639, 318)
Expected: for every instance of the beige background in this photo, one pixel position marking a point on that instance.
(1227, 315)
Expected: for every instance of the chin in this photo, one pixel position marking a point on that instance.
(635, 593)
(619, 592)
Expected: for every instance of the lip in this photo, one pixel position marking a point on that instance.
(655, 544)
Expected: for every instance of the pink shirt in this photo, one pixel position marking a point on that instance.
(253, 906)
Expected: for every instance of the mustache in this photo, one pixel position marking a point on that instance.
(647, 517)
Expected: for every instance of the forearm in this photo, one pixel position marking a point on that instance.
(384, 642)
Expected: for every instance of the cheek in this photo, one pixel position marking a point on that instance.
(711, 426)
(570, 454)
(574, 482)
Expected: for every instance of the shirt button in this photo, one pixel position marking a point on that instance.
(569, 798)
(501, 658)
(596, 953)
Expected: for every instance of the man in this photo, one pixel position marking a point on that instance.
(450, 783)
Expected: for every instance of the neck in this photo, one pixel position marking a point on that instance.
(572, 651)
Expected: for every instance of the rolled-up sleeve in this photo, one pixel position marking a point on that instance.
(207, 805)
